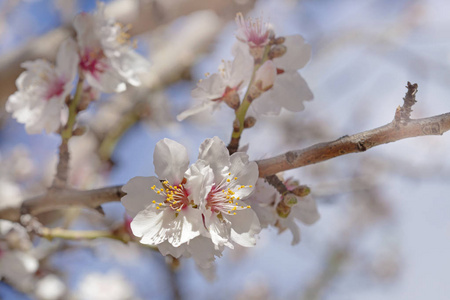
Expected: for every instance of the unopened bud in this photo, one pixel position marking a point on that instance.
(79, 131)
(277, 51)
(290, 199)
(301, 191)
(279, 40)
(232, 99)
(284, 207)
(89, 94)
(265, 76)
(249, 122)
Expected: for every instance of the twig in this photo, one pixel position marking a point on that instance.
(356, 143)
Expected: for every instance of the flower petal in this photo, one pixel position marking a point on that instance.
(306, 210)
(297, 55)
(139, 194)
(290, 90)
(200, 179)
(170, 160)
(215, 152)
(244, 227)
(246, 173)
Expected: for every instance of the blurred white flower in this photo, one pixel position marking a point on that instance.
(17, 265)
(226, 86)
(255, 33)
(289, 90)
(107, 57)
(42, 89)
(110, 286)
(265, 200)
(50, 287)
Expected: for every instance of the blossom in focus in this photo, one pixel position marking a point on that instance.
(226, 86)
(265, 200)
(107, 57)
(42, 89)
(227, 217)
(164, 209)
(197, 210)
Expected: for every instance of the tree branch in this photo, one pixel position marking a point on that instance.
(359, 142)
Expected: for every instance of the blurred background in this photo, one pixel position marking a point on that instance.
(384, 231)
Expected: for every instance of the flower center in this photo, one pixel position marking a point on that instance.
(176, 196)
(92, 62)
(56, 88)
(223, 199)
(256, 31)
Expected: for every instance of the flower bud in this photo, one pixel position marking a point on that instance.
(232, 99)
(265, 76)
(279, 40)
(301, 191)
(284, 207)
(277, 51)
(249, 122)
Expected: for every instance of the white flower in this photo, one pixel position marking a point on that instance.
(227, 217)
(50, 288)
(17, 265)
(194, 211)
(109, 286)
(42, 89)
(164, 209)
(265, 200)
(289, 90)
(107, 57)
(225, 86)
(255, 33)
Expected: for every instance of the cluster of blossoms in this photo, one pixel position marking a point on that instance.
(264, 69)
(104, 59)
(194, 210)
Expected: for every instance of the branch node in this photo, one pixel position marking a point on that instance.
(403, 114)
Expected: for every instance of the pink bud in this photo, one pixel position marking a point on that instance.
(265, 76)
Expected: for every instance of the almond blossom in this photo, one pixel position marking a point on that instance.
(42, 89)
(265, 200)
(107, 57)
(288, 54)
(227, 217)
(226, 86)
(197, 210)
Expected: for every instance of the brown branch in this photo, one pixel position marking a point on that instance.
(360, 142)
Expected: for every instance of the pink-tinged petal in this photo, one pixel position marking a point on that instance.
(215, 152)
(67, 60)
(297, 55)
(206, 105)
(200, 179)
(306, 210)
(170, 160)
(84, 25)
(290, 91)
(265, 76)
(244, 227)
(139, 194)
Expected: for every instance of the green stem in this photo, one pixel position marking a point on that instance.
(243, 108)
(51, 233)
(66, 134)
